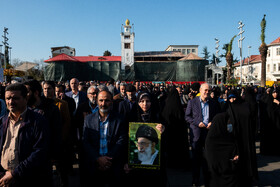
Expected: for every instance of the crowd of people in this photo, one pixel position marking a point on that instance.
(56, 124)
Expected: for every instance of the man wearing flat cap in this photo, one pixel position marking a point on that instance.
(147, 139)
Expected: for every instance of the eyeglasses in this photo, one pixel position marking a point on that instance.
(145, 144)
(93, 93)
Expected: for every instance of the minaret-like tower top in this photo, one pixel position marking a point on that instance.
(127, 22)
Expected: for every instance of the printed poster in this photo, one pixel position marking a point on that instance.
(144, 146)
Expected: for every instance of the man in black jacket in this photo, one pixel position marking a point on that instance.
(24, 142)
(84, 109)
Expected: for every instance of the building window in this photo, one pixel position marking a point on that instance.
(278, 67)
(127, 45)
(179, 50)
(268, 67)
(268, 53)
(188, 51)
(278, 51)
(274, 67)
(193, 50)
(127, 37)
(174, 49)
(184, 51)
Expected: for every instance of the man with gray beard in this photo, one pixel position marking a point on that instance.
(120, 96)
(147, 139)
(104, 143)
(87, 107)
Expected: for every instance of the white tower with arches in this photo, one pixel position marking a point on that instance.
(127, 40)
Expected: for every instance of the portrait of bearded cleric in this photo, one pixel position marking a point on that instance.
(144, 145)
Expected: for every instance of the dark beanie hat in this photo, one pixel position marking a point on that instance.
(148, 132)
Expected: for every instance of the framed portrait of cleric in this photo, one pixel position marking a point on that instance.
(144, 146)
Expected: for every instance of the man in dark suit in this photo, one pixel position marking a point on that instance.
(126, 105)
(199, 113)
(79, 97)
(104, 143)
(84, 109)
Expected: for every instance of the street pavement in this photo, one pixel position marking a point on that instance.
(268, 168)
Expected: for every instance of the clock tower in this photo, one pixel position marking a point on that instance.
(127, 40)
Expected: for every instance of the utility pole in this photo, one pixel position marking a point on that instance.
(6, 46)
(1, 56)
(10, 57)
(241, 25)
(217, 50)
(217, 55)
(249, 59)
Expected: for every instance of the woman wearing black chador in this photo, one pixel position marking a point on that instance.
(230, 148)
(176, 131)
(270, 123)
(146, 111)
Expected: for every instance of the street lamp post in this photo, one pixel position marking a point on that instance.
(241, 25)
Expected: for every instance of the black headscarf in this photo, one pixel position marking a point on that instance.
(172, 106)
(151, 116)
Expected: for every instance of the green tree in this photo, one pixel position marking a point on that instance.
(205, 53)
(225, 48)
(215, 59)
(229, 59)
(107, 53)
(263, 51)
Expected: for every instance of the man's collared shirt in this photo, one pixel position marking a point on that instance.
(9, 155)
(103, 129)
(76, 99)
(93, 110)
(204, 111)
